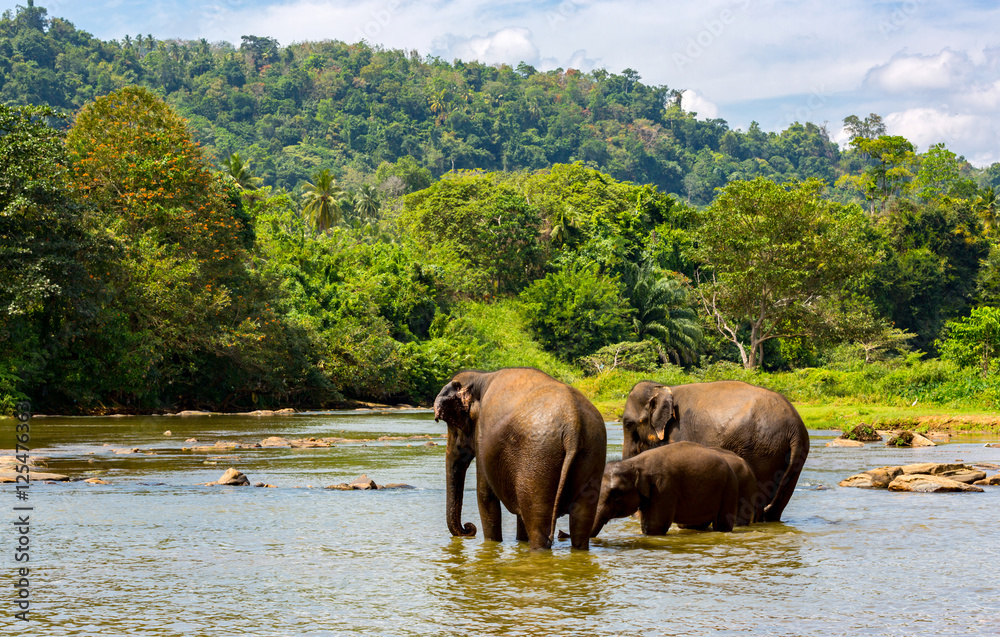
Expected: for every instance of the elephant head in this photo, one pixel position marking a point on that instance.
(456, 405)
(649, 414)
(621, 488)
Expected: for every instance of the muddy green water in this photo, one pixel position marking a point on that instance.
(154, 554)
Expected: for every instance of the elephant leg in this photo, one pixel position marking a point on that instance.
(657, 520)
(489, 510)
(582, 513)
(522, 533)
(773, 514)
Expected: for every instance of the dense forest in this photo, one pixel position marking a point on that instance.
(195, 224)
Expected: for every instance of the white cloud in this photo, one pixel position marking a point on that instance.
(973, 135)
(906, 73)
(510, 45)
(693, 102)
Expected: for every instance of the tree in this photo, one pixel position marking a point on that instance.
(985, 205)
(576, 311)
(321, 201)
(871, 127)
(974, 341)
(480, 224)
(773, 257)
(940, 174)
(889, 175)
(661, 310)
(238, 170)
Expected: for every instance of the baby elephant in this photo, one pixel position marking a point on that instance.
(682, 482)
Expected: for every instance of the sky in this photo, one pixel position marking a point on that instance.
(931, 69)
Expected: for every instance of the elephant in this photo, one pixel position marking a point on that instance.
(684, 482)
(747, 484)
(757, 424)
(540, 448)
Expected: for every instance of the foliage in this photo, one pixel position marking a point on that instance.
(576, 311)
(321, 201)
(974, 341)
(483, 225)
(774, 258)
(636, 356)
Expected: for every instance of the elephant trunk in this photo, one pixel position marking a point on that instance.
(457, 463)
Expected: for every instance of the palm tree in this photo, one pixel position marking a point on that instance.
(321, 201)
(367, 204)
(662, 310)
(564, 228)
(239, 172)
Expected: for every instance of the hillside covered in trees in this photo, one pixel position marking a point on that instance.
(219, 226)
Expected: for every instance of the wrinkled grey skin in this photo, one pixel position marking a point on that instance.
(684, 482)
(539, 447)
(757, 424)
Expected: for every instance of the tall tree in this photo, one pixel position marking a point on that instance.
(321, 199)
(775, 258)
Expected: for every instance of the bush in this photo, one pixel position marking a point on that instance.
(576, 311)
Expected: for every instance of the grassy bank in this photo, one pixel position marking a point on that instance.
(919, 395)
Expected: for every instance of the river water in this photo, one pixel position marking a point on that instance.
(153, 553)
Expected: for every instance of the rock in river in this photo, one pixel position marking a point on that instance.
(844, 442)
(921, 483)
(992, 481)
(231, 477)
(873, 479)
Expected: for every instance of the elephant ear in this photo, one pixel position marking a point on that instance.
(661, 411)
(451, 405)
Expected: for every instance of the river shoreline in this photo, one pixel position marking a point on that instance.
(927, 420)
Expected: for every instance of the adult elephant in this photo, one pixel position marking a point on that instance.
(757, 424)
(540, 449)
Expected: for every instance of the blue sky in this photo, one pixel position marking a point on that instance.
(931, 69)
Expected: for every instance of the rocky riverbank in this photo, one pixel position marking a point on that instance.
(927, 477)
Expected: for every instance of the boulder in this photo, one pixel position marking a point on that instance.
(396, 485)
(873, 479)
(992, 481)
(308, 443)
(275, 441)
(363, 483)
(966, 476)
(133, 450)
(232, 477)
(192, 412)
(844, 442)
(862, 433)
(908, 439)
(934, 468)
(922, 441)
(11, 476)
(921, 483)
(881, 477)
(96, 481)
(992, 444)
(168, 433)
(341, 487)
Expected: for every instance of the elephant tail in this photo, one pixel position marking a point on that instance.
(563, 477)
(798, 450)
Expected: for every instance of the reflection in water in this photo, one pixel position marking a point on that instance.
(154, 554)
(504, 588)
